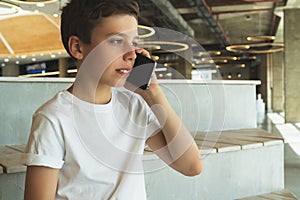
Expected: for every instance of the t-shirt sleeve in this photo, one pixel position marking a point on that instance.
(45, 145)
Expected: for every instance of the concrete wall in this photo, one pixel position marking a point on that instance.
(202, 106)
(228, 175)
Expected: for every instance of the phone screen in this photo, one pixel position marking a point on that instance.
(141, 73)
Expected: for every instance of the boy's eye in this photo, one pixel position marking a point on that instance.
(116, 41)
(135, 44)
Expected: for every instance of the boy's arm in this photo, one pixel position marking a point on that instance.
(174, 144)
(41, 183)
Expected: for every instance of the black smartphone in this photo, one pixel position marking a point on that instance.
(141, 73)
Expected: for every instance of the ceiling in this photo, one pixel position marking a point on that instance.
(214, 24)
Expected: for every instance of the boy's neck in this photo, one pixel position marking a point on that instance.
(100, 95)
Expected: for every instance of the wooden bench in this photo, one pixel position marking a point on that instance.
(279, 195)
(12, 180)
(237, 163)
(229, 157)
(11, 158)
(234, 140)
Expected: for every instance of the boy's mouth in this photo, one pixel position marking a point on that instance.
(124, 71)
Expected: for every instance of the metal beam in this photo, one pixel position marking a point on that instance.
(168, 9)
(205, 14)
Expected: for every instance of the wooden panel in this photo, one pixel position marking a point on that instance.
(278, 195)
(233, 140)
(11, 163)
(236, 139)
(285, 193)
(11, 160)
(5, 151)
(20, 147)
(223, 138)
(3, 50)
(220, 147)
(31, 33)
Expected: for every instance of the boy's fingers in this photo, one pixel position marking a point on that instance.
(143, 52)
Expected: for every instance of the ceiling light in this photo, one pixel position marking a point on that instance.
(33, 2)
(6, 60)
(33, 59)
(261, 38)
(2, 65)
(13, 8)
(150, 30)
(52, 56)
(72, 70)
(23, 56)
(41, 5)
(17, 62)
(161, 69)
(155, 58)
(179, 46)
(214, 52)
(150, 47)
(55, 15)
(256, 48)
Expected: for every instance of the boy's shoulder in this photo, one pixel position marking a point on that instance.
(60, 102)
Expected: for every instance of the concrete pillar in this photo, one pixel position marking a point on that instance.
(292, 65)
(63, 66)
(10, 69)
(277, 82)
(184, 66)
(262, 75)
(265, 76)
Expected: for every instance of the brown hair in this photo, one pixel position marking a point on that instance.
(80, 17)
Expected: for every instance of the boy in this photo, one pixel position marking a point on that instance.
(87, 142)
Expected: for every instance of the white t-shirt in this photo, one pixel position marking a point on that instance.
(98, 148)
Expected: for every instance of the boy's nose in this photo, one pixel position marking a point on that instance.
(130, 55)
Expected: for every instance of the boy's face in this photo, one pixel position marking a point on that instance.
(108, 59)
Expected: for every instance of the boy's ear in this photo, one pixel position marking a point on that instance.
(75, 48)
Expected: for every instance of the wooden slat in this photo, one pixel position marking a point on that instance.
(271, 196)
(245, 144)
(220, 147)
(245, 138)
(267, 141)
(11, 163)
(5, 151)
(20, 147)
(252, 198)
(278, 195)
(206, 150)
(233, 140)
(10, 160)
(285, 193)
(256, 132)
